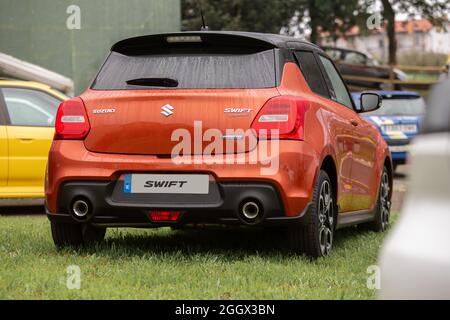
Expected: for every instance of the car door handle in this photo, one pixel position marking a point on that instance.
(354, 123)
(26, 139)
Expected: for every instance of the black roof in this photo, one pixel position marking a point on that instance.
(223, 38)
(343, 49)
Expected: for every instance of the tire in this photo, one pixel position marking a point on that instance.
(383, 206)
(76, 235)
(92, 235)
(315, 238)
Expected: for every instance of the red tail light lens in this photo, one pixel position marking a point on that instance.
(71, 120)
(281, 117)
(164, 215)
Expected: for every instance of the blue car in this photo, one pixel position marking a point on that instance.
(398, 120)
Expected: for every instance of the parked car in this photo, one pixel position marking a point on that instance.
(116, 162)
(356, 63)
(415, 259)
(27, 117)
(398, 120)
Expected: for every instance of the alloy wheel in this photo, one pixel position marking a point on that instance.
(326, 218)
(385, 204)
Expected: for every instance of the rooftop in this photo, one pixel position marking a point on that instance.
(238, 38)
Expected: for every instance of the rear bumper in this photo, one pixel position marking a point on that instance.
(224, 210)
(285, 192)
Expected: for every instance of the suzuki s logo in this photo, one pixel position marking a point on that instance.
(167, 110)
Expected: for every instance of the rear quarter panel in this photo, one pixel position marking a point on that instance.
(323, 132)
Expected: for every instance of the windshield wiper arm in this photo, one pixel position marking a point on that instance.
(154, 82)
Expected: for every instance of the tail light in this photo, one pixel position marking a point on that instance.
(164, 215)
(71, 120)
(281, 118)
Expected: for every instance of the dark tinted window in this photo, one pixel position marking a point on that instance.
(339, 91)
(191, 71)
(311, 72)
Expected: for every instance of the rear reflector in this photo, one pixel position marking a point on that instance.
(164, 215)
(274, 118)
(71, 120)
(281, 118)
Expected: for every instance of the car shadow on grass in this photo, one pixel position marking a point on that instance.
(230, 243)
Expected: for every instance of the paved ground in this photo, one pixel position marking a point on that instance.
(20, 208)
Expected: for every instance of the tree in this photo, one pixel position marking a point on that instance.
(240, 15)
(332, 16)
(327, 16)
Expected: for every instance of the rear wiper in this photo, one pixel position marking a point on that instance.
(154, 82)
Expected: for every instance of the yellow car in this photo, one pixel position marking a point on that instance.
(27, 117)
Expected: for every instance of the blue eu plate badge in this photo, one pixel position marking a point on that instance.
(127, 183)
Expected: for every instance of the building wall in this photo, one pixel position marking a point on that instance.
(36, 31)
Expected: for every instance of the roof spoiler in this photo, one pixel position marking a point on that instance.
(230, 41)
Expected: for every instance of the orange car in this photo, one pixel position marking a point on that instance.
(217, 128)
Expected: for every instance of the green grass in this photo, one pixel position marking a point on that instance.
(191, 264)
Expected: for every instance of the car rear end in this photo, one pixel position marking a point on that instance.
(174, 130)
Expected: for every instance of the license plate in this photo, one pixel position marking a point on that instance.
(166, 183)
(404, 148)
(405, 128)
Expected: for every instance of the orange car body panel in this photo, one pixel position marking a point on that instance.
(137, 114)
(358, 151)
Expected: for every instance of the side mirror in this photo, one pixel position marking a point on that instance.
(369, 101)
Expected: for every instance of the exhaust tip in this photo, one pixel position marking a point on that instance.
(80, 208)
(251, 211)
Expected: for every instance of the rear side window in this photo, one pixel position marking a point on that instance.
(339, 92)
(188, 71)
(311, 72)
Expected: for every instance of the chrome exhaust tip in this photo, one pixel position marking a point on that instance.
(80, 208)
(250, 210)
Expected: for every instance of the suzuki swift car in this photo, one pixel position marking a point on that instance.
(398, 120)
(27, 118)
(223, 128)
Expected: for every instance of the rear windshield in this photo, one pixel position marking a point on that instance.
(188, 71)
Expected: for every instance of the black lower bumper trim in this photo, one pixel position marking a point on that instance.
(223, 210)
(113, 221)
